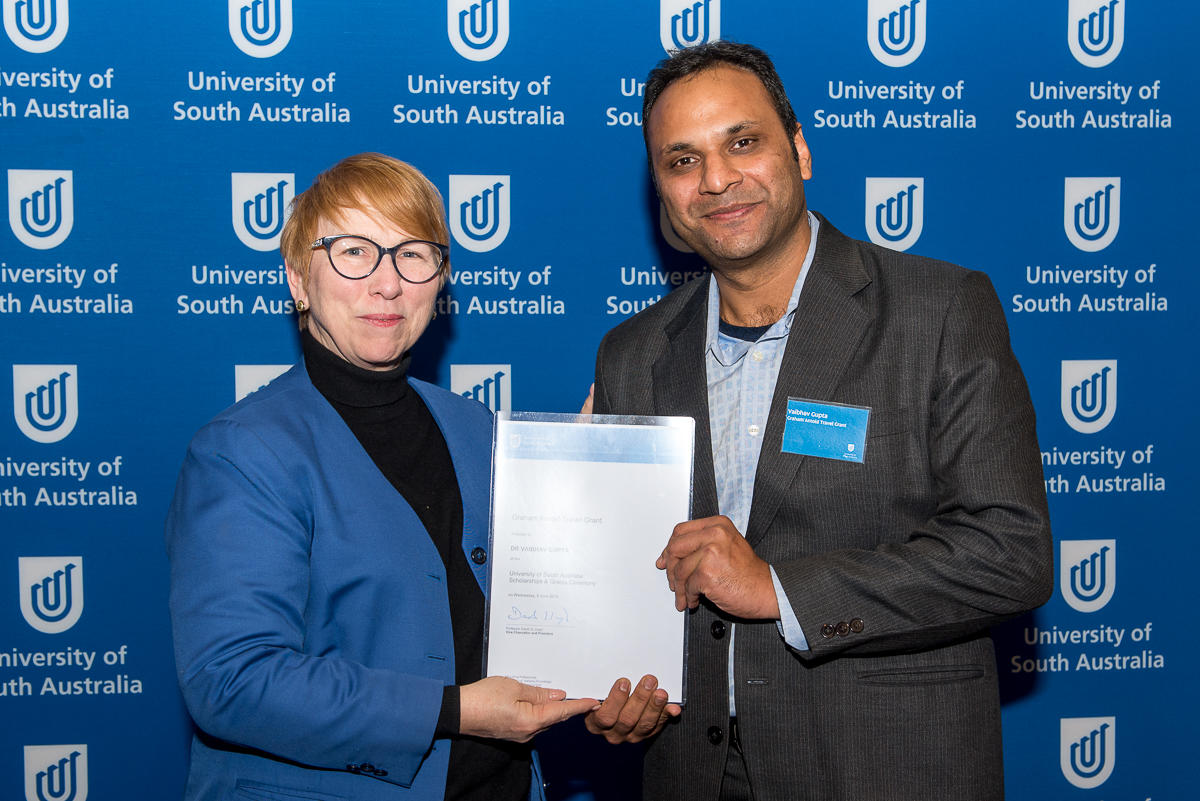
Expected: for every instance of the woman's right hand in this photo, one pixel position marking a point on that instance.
(505, 709)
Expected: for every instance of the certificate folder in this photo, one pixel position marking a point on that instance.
(582, 506)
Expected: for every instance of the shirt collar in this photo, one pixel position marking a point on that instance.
(783, 325)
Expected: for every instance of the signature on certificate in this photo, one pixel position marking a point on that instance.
(550, 616)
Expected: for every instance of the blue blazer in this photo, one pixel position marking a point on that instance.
(311, 618)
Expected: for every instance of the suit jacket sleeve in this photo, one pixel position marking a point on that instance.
(983, 552)
(239, 535)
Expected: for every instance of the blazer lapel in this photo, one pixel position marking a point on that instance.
(832, 315)
(681, 389)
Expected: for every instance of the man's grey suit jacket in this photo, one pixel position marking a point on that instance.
(895, 567)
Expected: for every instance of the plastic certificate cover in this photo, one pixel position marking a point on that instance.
(582, 506)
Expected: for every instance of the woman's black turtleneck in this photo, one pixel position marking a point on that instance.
(399, 434)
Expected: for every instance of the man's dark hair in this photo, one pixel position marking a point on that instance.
(693, 60)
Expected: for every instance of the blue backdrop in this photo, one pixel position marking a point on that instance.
(150, 152)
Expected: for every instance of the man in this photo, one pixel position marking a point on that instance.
(839, 600)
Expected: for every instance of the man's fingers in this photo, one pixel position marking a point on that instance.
(604, 718)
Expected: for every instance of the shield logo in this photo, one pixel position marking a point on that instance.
(896, 31)
(1095, 30)
(1087, 750)
(41, 206)
(36, 26)
(668, 231)
(51, 591)
(260, 207)
(56, 773)
(1089, 394)
(479, 210)
(687, 23)
(1091, 212)
(478, 29)
(895, 212)
(490, 384)
(1087, 573)
(46, 400)
(260, 28)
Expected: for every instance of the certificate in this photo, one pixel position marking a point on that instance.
(582, 506)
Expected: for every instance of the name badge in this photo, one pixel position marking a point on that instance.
(827, 430)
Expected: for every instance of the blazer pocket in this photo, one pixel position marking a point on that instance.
(253, 791)
(932, 674)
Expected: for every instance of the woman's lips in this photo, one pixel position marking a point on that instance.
(382, 320)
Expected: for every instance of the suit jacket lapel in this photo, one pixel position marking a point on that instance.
(681, 388)
(832, 315)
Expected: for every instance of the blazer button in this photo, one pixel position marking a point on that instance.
(843, 628)
(857, 625)
(718, 629)
(367, 767)
(715, 735)
(828, 630)
(380, 772)
(352, 768)
(478, 556)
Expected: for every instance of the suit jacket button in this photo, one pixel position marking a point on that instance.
(856, 625)
(828, 630)
(478, 556)
(718, 629)
(843, 628)
(715, 735)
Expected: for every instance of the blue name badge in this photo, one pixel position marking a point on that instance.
(827, 430)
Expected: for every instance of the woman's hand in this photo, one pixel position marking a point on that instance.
(505, 709)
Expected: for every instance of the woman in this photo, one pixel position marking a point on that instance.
(328, 539)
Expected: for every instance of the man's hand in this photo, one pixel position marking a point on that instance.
(710, 557)
(625, 718)
(504, 709)
(587, 404)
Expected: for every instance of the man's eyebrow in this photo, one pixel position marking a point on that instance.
(732, 130)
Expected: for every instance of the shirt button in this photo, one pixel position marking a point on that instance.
(753, 431)
(757, 355)
(479, 556)
(717, 629)
(715, 735)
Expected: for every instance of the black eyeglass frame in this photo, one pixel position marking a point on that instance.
(326, 241)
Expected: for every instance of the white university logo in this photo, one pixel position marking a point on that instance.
(260, 28)
(490, 384)
(41, 206)
(687, 23)
(1091, 211)
(36, 26)
(56, 773)
(1087, 573)
(260, 207)
(1087, 750)
(250, 377)
(896, 30)
(1095, 30)
(479, 210)
(895, 211)
(46, 400)
(51, 591)
(1089, 394)
(478, 29)
(668, 231)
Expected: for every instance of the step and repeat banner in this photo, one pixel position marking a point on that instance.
(149, 153)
